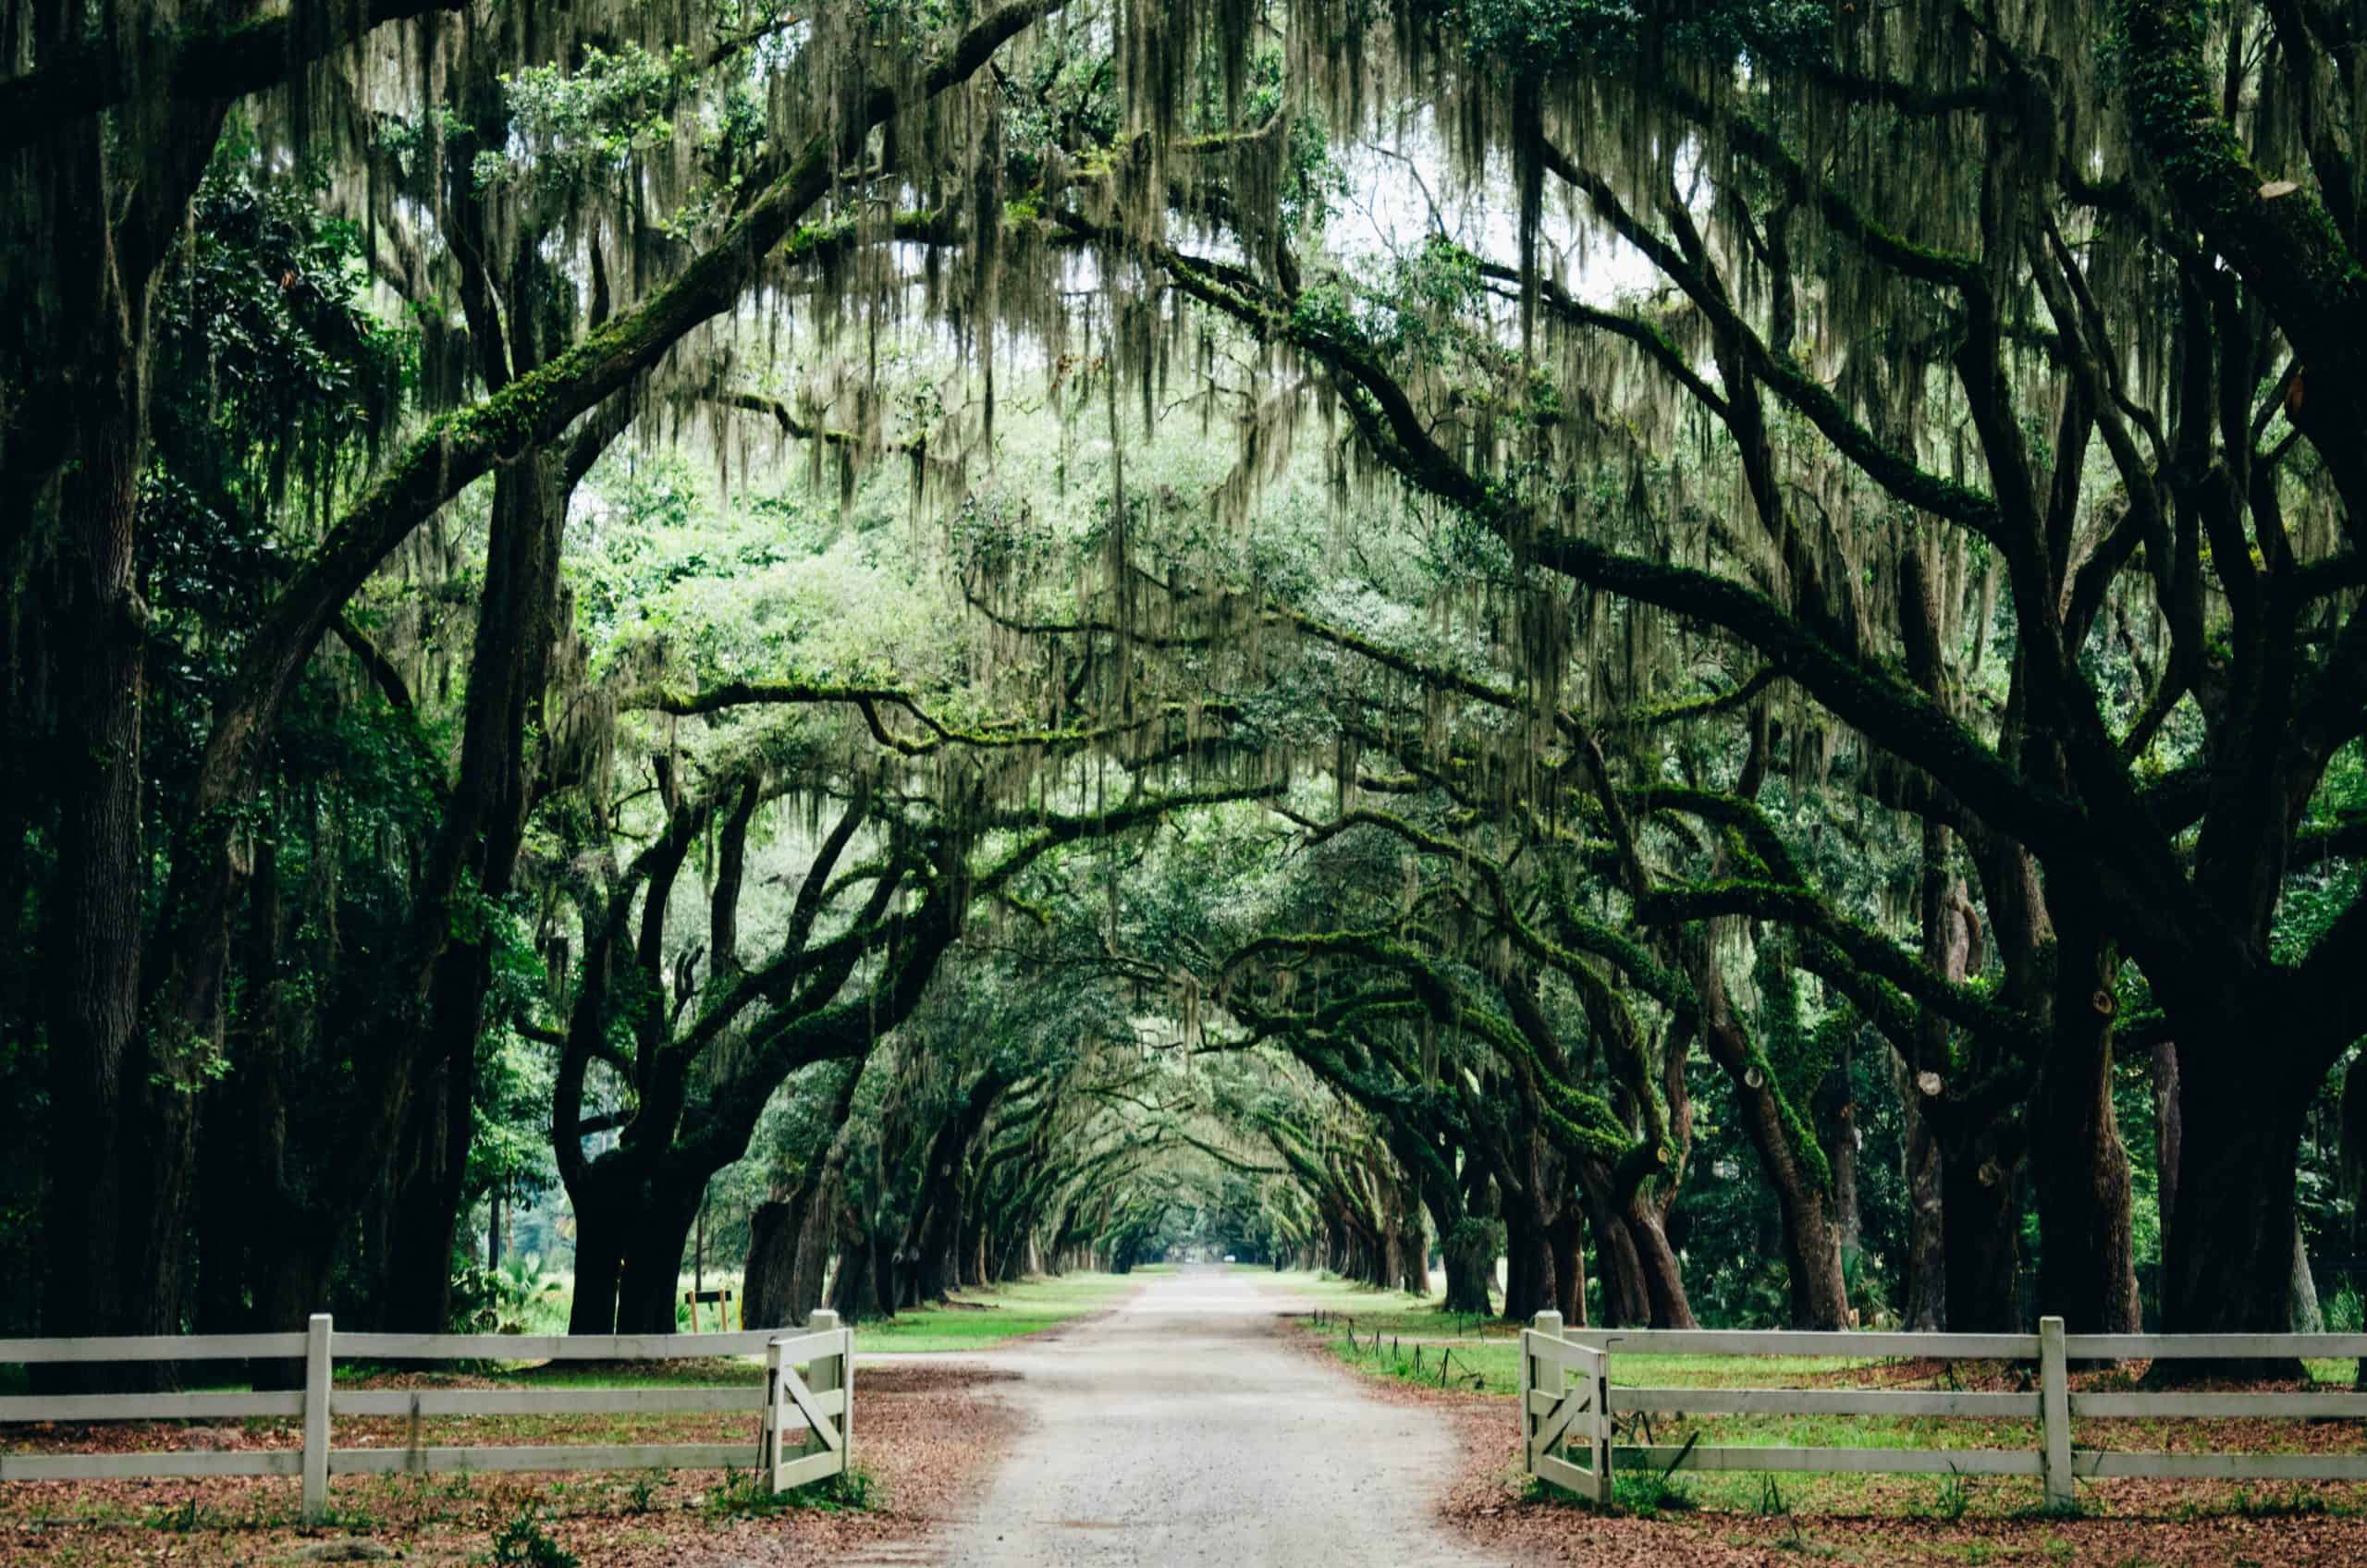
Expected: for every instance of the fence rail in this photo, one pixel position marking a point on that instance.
(803, 1427)
(1567, 1398)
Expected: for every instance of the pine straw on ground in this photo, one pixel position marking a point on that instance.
(923, 1434)
(1900, 1520)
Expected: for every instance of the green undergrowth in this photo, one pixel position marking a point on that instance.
(746, 1494)
(523, 1542)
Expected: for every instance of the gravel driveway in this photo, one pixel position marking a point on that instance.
(1180, 1429)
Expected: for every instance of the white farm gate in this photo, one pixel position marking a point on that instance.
(1569, 1406)
(804, 1418)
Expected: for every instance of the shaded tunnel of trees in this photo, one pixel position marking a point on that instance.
(1696, 661)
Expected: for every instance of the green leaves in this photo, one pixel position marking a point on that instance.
(588, 123)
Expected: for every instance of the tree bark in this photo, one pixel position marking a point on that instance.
(476, 856)
(817, 1204)
(812, 1251)
(854, 1295)
(2087, 1250)
(1569, 1267)
(930, 1252)
(2087, 1269)
(2307, 1317)
(424, 1203)
(2229, 1263)
(226, 1220)
(1841, 1159)
(654, 1249)
(1468, 1251)
(769, 1283)
(1412, 1246)
(82, 79)
(1819, 1297)
(125, 1095)
(1663, 1272)
(1626, 1301)
(116, 1153)
(601, 1237)
(290, 1287)
(2167, 1141)
(1927, 1258)
(1529, 1256)
(1984, 1245)
(883, 1274)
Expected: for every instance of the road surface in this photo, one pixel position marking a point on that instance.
(1180, 1428)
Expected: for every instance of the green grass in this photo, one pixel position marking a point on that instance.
(976, 1320)
(983, 1319)
(746, 1494)
(702, 1372)
(1648, 1494)
(1414, 1334)
(979, 1320)
(1489, 1347)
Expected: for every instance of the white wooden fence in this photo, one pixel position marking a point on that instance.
(801, 1430)
(1568, 1404)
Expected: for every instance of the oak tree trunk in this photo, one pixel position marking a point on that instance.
(769, 1283)
(2087, 1253)
(2228, 1267)
(1984, 1240)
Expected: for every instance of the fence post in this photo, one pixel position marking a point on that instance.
(1550, 1324)
(768, 1439)
(316, 1418)
(2054, 1412)
(840, 1375)
(1601, 1461)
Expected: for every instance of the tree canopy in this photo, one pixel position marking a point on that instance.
(1711, 647)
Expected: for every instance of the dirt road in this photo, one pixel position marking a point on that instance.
(1180, 1429)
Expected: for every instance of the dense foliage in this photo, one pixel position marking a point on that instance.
(1702, 661)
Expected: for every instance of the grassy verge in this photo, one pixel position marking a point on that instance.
(1417, 1342)
(1401, 1338)
(983, 1319)
(973, 1320)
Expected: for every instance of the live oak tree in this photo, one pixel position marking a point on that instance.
(1740, 537)
(116, 127)
(1951, 294)
(693, 1081)
(110, 137)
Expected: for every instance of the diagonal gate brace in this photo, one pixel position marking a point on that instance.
(802, 1397)
(1556, 1424)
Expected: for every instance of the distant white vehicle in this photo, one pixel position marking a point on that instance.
(1230, 1258)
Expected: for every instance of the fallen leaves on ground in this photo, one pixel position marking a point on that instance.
(2128, 1522)
(922, 1432)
